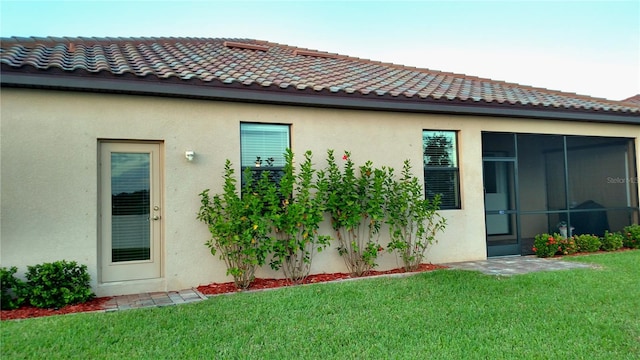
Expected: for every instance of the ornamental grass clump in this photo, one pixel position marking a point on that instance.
(239, 229)
(295, 212)
(413, 220)
(355, 200)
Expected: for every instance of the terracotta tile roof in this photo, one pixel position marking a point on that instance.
(633, 100)
(270, 66)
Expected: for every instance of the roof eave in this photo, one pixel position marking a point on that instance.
(302, 98)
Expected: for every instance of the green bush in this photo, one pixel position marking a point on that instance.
(612, 241)
(13, 289)
(295, 212)
(238, 225)
(632, 236)
(413, 220)
(546, 245)
(278, 215)
(568, 246)
(57, 284)
(587, 243)
(355, 200)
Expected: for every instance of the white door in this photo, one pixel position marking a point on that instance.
(130, 198)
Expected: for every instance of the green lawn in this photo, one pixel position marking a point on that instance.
(446, 314)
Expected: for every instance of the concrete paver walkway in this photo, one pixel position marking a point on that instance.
(504, 266)
(134, 301)
(514, 265)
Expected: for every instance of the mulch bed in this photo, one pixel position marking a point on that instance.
(259, 284)
(97, 304)
(28, 311)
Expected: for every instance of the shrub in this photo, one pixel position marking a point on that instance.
(413, 220)
(568, 246)
(632, 236)
(239, 230)
(546, 245)
(13, 289)
(355, 203)
(57, 284)
(611, 241)
(295, 212)
(587, 243)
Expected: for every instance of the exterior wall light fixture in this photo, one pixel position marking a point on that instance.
(189, 154)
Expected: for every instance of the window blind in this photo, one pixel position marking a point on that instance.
(441, 173)
(440, 149)
(263, 141)
(130, 238)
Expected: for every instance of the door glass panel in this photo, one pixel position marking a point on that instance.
(499, 186)
(130, 225)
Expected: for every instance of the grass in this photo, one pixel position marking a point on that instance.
(446, 314)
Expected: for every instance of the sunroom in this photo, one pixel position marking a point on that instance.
(566, 184)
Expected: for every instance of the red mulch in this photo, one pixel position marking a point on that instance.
(27, 311)
(258, 284)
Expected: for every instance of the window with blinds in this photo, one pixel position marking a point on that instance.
(262, 147)
(441, 172)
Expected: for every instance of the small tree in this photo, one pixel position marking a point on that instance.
(356, 205)
(239, 229)
(295, 211)
(413, 220)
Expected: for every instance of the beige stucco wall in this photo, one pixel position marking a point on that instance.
(49, 169)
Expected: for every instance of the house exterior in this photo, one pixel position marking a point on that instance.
(107, 142)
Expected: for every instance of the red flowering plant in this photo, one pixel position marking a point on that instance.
(546, 245)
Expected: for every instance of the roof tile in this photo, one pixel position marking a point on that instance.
(271, 65)
(633, 100)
